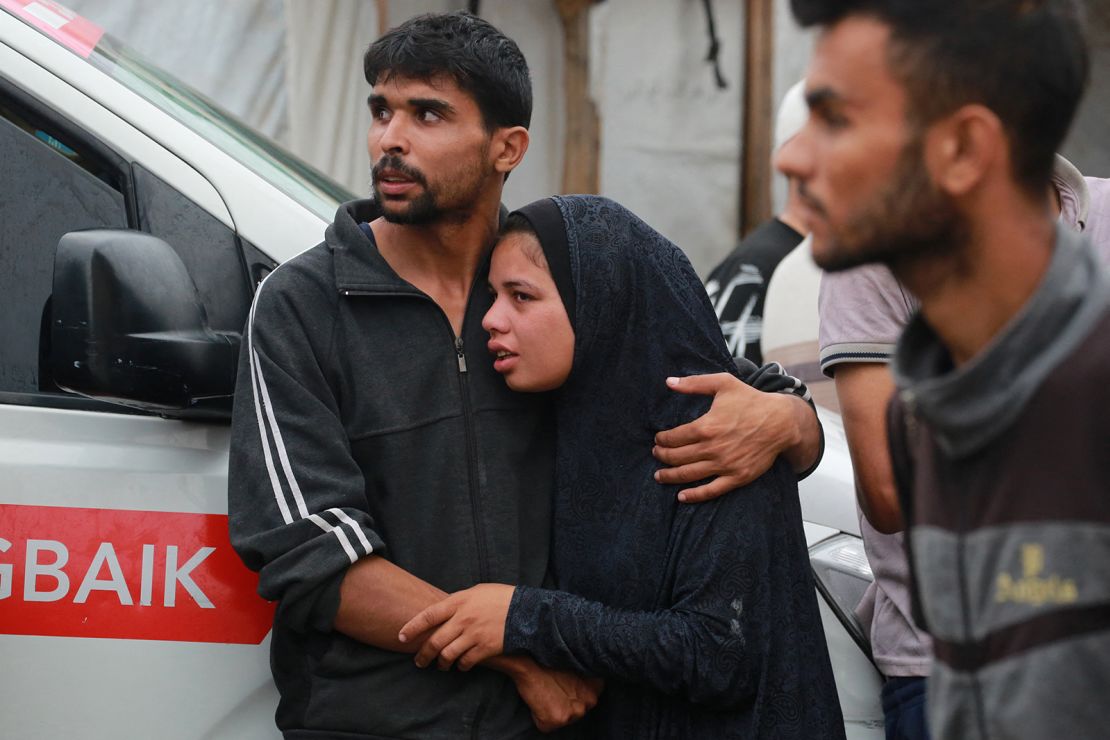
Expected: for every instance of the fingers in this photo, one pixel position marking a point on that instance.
(454, 650)
(543, 725)
(432, 617)
(589, 699)
(714, 489)
(475, 655)
(703, 385)
(433, 647)
(689, 473)
(682, 436)
(573, 711)
(680, 455)
(698, 384)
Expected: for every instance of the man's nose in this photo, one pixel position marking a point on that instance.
(394, 138)
(795, 157)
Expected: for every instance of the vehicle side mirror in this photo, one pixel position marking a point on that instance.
(127, 326)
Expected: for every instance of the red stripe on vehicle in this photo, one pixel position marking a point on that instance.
(142, 575)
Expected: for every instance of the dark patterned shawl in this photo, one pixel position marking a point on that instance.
(702, 618)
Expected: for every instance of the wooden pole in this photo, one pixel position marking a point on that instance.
(582, 149)
(383, 17)
(758, 127)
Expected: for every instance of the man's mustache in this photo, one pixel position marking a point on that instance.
(810, 202)
(396, 164)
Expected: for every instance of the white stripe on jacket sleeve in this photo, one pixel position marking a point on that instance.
(267, 424)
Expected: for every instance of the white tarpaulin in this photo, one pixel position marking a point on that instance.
(233, 52)
(293, 69)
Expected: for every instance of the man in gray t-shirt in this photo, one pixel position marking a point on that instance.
(863, 312)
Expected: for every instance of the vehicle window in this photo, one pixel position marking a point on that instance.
(51, 184)
(297, 179)
(206, 246)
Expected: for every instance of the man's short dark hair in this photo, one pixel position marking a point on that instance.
(1026, 60)
(461, 47)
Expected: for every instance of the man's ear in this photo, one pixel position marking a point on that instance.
(963, 148)
(508, 148)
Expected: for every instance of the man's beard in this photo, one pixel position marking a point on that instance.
(910, 220)
(453, 202)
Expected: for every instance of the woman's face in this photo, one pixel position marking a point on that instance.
(530, 334)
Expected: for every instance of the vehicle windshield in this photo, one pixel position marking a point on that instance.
(289, 174)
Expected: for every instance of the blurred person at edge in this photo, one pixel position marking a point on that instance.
(737, 287)
(377, 459)
(999, 440)
(863, 311)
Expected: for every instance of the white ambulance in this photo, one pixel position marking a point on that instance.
(135, 220)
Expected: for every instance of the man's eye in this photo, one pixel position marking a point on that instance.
(832, 120)
(429, 116)
(379, 113)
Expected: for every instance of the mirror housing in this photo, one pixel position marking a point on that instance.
(128, 326)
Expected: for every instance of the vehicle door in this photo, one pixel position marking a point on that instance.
(123, 610)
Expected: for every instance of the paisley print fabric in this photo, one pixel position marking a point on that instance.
(702, 618)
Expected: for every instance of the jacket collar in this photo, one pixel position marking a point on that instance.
(359, 266)
(970, 406)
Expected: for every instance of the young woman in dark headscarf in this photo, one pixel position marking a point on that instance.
(702, 619)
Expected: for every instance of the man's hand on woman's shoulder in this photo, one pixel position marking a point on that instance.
(738, 439)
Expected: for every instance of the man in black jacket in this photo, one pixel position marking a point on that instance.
(377, 459)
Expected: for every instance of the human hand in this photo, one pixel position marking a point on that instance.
(469, 627)
(556, 698)
(737, 440)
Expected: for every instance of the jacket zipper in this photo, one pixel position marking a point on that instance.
(468, 421)
(472, 460)
(909, 399)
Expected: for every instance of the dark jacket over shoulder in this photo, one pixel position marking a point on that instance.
(1005, 469)
(363, 426)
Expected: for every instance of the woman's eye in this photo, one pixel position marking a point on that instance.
(522, 297)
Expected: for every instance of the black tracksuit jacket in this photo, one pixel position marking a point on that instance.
(363, 425)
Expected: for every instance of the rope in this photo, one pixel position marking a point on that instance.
(714, 46)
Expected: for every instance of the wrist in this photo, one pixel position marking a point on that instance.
(803, 450)
(517, 667)
(795, 413)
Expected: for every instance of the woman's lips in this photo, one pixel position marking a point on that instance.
(505, 361)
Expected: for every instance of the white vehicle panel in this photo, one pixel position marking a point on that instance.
(260, 212)
(134, 689)
(828, 495)
(58, 457)
(857, 682)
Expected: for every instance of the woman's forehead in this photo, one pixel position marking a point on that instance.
(522, 243)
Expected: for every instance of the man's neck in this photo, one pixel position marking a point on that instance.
(970, 295)
(441, 259)
(793, 219)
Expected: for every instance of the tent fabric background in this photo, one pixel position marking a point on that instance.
(292, 69)
(670, 140)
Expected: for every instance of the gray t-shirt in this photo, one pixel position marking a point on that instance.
(862, 314)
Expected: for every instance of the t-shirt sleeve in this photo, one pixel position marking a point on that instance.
(862, 313)
(1097, 226)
